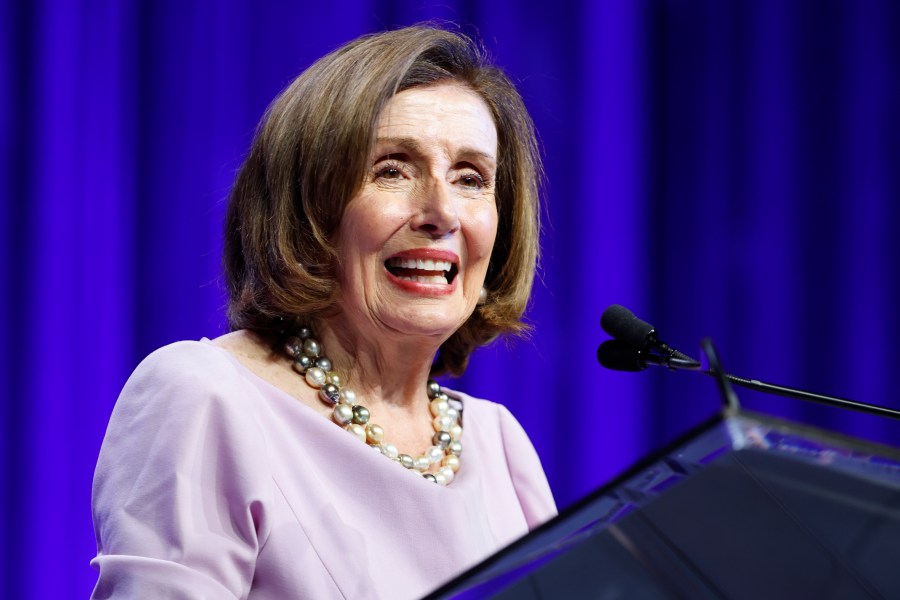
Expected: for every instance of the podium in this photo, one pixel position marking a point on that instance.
(743, 506)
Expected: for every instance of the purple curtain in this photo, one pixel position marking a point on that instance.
(725, 169)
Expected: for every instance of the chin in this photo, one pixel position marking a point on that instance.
(433, 322)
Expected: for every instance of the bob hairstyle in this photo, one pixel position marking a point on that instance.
(309, 158)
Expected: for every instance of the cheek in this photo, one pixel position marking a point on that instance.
(483, 231)
(366, 227)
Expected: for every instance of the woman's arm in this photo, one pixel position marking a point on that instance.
(181, 486)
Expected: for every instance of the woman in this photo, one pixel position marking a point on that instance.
(383, 226)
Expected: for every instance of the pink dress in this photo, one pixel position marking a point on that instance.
(212, 483)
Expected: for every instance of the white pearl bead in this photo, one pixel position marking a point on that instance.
(455, 432)
(451, 461)
(435, 453)
(439, 407)
(453, 413)
(343, 414)
(448, 473)
(455, 447)
(442, 423)
(348, 397)
(358, 430)
(439, 477)
(390, 450)
(422, 463)
(374, 433)
(315, 377)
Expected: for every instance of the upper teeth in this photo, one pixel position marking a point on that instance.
(418, 263)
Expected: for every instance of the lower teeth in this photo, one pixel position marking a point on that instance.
(423, 279)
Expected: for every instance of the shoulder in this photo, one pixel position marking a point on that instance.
(181, 397)
(496, 430)
(186, 362)
(185, 382)
(184, 400)
(186, 404)
(189, 368)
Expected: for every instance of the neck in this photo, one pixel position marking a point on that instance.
(387, 370)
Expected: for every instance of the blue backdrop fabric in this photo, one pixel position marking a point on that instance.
(727, 169)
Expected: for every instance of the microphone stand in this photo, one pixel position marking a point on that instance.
(787, 392)
(673, 361)
(719, 373)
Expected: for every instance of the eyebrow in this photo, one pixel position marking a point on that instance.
(413, 146)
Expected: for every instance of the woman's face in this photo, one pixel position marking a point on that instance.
(415, 242)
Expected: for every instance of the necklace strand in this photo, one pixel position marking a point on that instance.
(442, 456)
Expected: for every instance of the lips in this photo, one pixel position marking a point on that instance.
(423, 268)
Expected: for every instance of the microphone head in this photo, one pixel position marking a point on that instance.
(619, 356)
(620, 323)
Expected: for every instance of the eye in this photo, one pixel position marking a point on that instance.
(388, 169)
(389, 173)
(472, 180)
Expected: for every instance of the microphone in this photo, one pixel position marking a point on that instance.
(616, 355)
(631, 350)
(623, 325)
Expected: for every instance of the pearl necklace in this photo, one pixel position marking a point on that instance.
(443, 455)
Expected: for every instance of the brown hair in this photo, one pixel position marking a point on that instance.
(308, 159)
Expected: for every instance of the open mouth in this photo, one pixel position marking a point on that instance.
(422, 270)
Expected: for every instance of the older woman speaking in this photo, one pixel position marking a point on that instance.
(383, 226)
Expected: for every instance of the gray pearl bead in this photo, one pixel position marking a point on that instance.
(360, 414)
(304, 332)
(433, 389)
(323, 363)
(302, 363)
(311, 347)
(330, 393)
(293, 346)
(441, 439)
(407, 461)
(429, 477)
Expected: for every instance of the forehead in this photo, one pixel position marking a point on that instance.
(448, 114)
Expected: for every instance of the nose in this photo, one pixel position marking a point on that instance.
(436, 210)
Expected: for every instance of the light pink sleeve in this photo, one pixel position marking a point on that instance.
(181, 485)
(526, 472)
